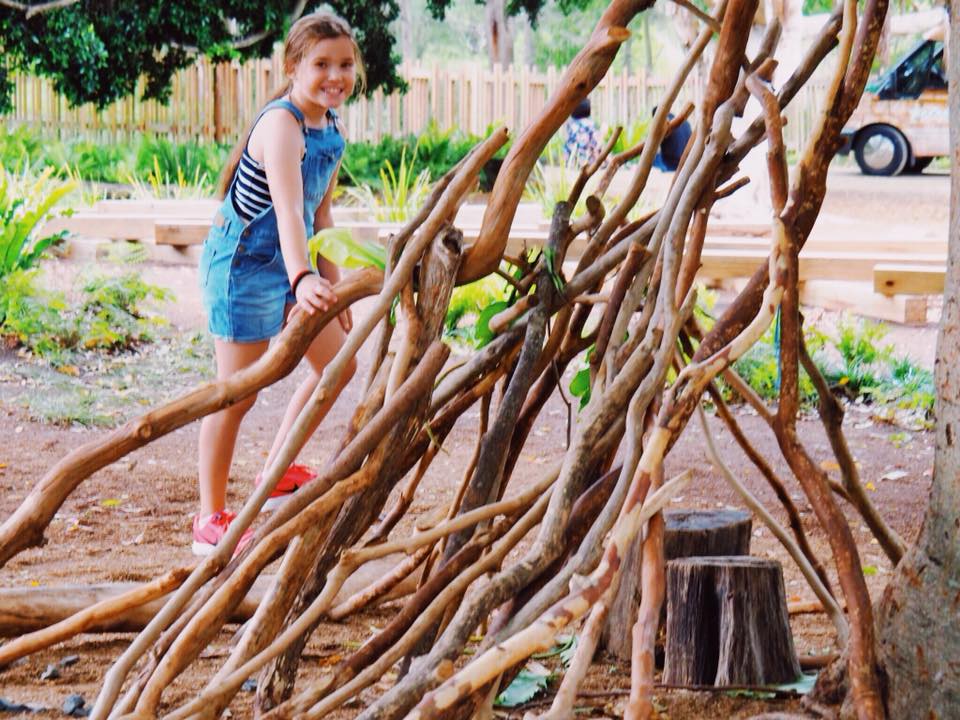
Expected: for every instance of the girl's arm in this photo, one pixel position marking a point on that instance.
(278, 135)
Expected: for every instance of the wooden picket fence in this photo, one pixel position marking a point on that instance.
(216, 102)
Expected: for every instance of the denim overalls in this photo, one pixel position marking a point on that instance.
(243, 279)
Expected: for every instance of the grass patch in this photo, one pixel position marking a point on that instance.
(100, 390)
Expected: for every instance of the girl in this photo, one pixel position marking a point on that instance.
(277, 190)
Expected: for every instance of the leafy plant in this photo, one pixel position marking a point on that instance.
(158, 183)
(25, 204)
(20, 147)
(189, 159)
(525, 686)
(402, 190)
(759, 366)
(339, 247)
(110, 315)
(632, 134)
(33, 318)
(478, 302)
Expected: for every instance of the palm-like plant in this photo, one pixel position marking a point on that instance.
(26, 202)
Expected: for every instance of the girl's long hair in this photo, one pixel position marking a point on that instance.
(303, 34)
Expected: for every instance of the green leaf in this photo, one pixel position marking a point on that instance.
(524, 688)
(482, 331)
(870, 570)
(565, 647)
(580, 386)
(339, 247)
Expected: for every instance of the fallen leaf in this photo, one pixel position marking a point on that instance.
(894, 475)
(829, 465)
(871, 486)
(71, 370)
(111, 502)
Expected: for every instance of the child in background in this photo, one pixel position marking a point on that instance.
(672, 145)
(277, 191)
(582, 144)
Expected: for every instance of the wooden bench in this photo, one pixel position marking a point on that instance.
(908, 279)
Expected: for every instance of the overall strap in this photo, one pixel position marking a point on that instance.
(286, 105)
(334, 120)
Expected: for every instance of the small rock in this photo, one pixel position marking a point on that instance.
(11, 706)
(249, 685)
(75, 706)
(51, 673)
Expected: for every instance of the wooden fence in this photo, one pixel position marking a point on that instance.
(218, 101)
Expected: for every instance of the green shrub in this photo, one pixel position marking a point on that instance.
(402, 191)
(33, 318)
(186, 159)
(110, 315)
(853, 362)
(20, 148)
(436, 150)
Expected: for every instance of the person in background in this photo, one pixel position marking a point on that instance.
(582, 144)
(671, 149)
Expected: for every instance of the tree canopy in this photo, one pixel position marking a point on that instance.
(97, 50)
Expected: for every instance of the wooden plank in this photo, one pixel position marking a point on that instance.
(173, 209)
(181, 232)
(814, 264)
(860, 299)
(99, 225)
(893, 279)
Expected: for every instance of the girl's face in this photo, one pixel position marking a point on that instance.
(326, 74)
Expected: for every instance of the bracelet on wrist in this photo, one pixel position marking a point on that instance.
(296, 281)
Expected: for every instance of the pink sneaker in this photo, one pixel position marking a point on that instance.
(207, 536)
(293, 479)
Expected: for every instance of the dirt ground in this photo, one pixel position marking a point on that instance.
(131, 521)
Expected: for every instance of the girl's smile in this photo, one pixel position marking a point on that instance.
(324, 78)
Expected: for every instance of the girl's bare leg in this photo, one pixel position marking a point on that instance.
(321, 351)
(218, 432)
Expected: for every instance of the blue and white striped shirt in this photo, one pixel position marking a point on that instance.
(251, 194)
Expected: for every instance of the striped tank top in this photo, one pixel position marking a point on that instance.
(251, 194)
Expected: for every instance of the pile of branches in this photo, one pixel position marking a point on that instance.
(582, 514)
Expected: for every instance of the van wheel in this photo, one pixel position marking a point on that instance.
(917, 165)
(881, 150)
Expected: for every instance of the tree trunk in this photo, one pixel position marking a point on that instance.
(727, 623)
(499, 37)
(689, 533)
(919, 633)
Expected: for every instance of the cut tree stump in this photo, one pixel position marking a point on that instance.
(688, 533)
(727, 623)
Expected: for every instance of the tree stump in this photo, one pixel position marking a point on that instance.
(727, 623)
(688, 533)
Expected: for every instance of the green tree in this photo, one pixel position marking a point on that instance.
(498, 13)
(97, 50)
